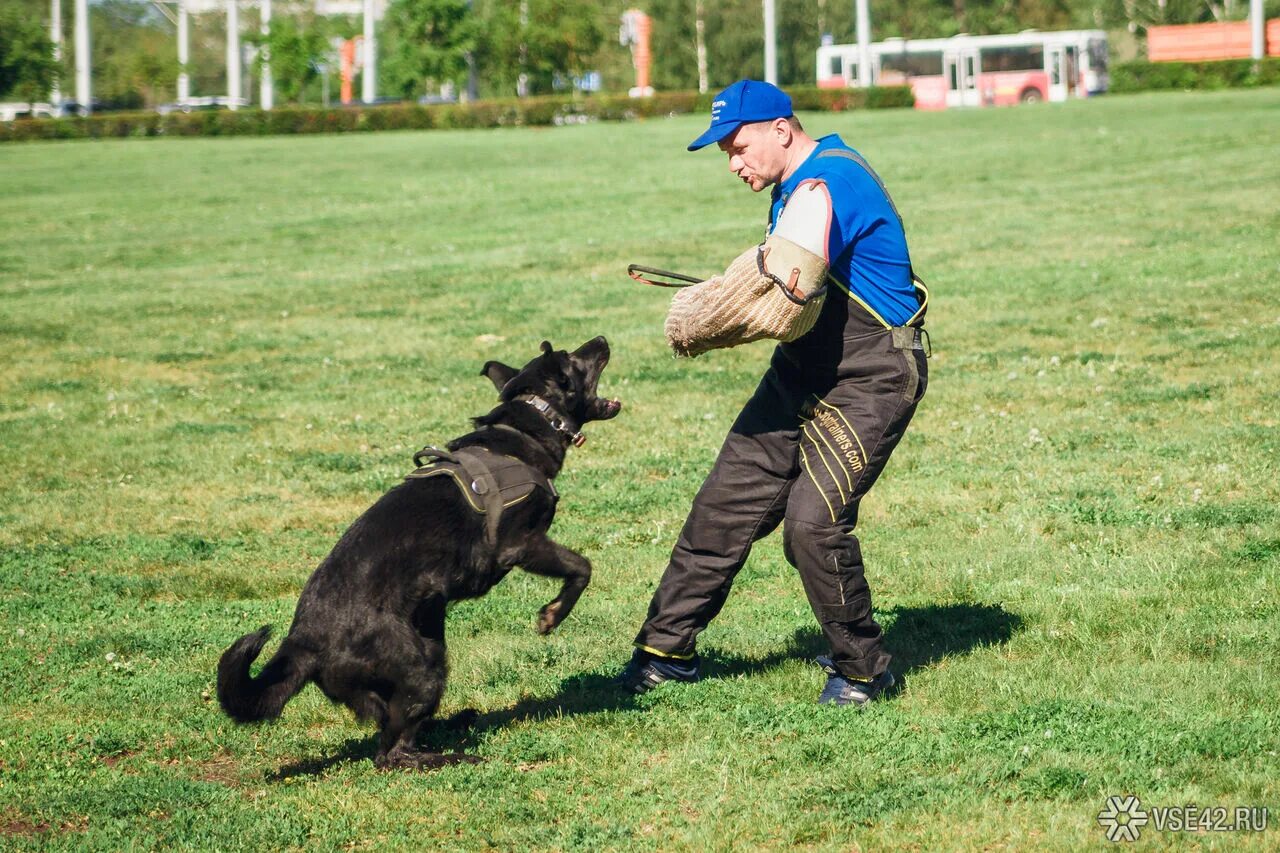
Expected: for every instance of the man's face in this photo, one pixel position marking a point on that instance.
(757, 154)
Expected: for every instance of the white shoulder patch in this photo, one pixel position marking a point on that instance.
(806, 220)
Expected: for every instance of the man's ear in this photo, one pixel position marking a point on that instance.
(499, 374)
(782, 128)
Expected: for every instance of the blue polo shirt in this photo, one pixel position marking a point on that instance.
(867, 246)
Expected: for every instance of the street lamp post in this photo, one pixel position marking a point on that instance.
(55, 35)
(83, 95)
(184, 50)
(864, 43)
(1257, 28)
(770, 43)
(266, 89)
(233, 55)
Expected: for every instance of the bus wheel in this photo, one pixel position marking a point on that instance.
(1031, 95)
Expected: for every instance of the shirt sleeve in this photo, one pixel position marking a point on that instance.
(807, 220)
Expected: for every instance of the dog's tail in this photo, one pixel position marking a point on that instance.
(248, 699)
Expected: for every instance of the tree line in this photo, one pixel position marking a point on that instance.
(498, 48)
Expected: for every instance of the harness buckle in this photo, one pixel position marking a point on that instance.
(578, 439)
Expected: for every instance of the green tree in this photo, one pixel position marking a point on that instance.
(426, 42)
(154, 73)
(296, 46)
(733, 34)
(134, 54)
(27, 68)
(543, 40)
(1137, 15)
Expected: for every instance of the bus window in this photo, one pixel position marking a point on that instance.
(837, 66)
(1029, 58)
(927, 64)
(1098, 55)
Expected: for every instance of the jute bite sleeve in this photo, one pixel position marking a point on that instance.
(774, 291)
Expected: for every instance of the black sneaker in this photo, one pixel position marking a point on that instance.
(646, 671)
(841, 690)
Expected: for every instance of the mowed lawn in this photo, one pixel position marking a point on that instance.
(214, 354)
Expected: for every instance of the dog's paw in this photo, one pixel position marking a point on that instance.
(548, 618)
(417, 759)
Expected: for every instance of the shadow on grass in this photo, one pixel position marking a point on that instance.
(582, 694)
(355, 749)
(915, 636)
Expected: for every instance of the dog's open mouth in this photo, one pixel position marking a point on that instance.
(602, 409)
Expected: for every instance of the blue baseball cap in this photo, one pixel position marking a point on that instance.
(742, 103)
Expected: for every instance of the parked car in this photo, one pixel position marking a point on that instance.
(204, 102)
(17, 109)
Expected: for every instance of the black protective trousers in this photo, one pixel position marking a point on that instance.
(807, 446)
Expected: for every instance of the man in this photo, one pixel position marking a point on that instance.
(838, 394)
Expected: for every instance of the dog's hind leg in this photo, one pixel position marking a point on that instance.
(368, 705)
(416, 698)
(551, 559)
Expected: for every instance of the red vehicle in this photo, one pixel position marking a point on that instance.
(972, 71)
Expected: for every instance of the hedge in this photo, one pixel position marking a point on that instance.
(497, 113)
(1222, 74)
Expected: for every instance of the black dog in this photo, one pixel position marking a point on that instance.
(369, 627)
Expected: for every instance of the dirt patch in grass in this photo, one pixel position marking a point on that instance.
(15, 824)
(221, 769)
(18, 826)
(115, 758)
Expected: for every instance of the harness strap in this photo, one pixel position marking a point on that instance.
(922, 291)
(479, 478)
(485, 475)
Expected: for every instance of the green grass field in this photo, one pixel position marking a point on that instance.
(214, 354)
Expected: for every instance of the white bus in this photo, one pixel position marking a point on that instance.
(972, 71)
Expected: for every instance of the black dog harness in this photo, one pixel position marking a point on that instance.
(490, 482)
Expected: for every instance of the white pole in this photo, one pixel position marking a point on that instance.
(1257, 24)
(864, 44)
(184, 49)
(522, 79)
(55, 35)
(83, 95)
(770, 43)
(369, 76)
(266, 91)
(233, 55)
(699, 29)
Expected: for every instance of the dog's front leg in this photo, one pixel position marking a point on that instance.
(553, 560)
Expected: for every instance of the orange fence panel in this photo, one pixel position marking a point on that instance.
(1204, 42)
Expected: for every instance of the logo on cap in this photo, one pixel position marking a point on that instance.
(744, 102)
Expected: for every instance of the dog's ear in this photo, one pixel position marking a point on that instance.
(547, 348)
(499, 374)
